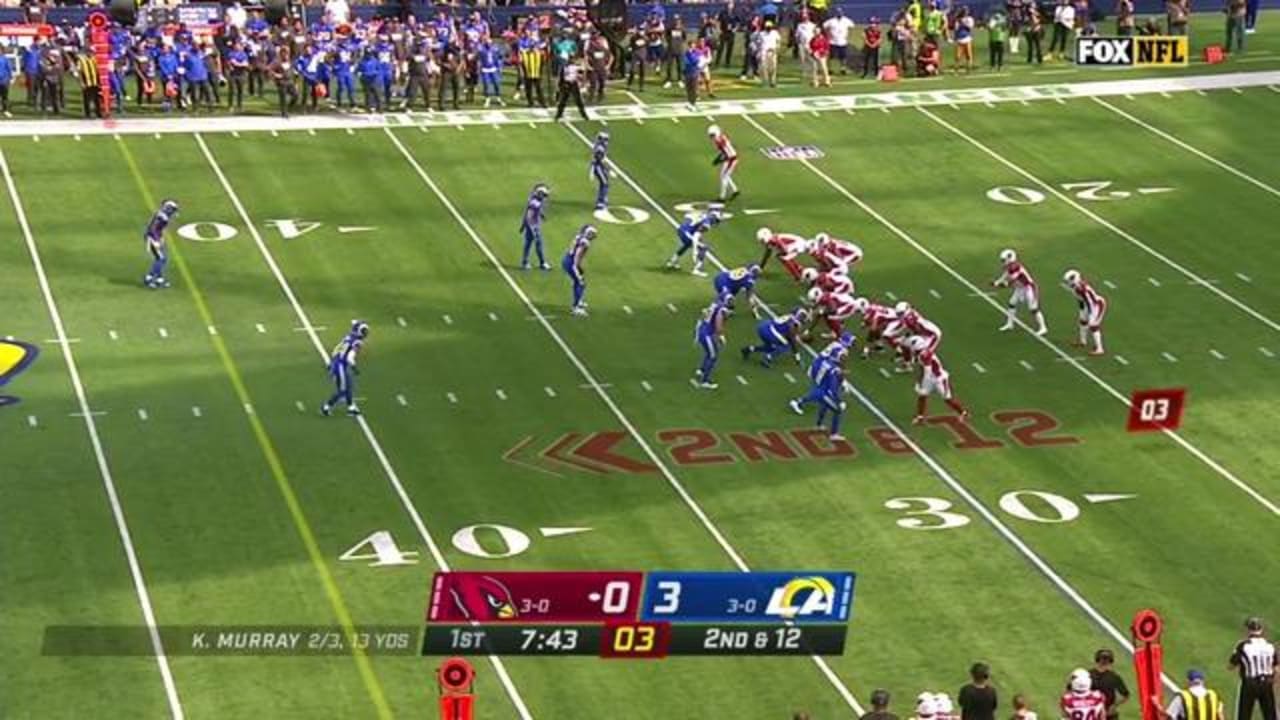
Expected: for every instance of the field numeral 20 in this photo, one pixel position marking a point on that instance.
(1090, 190)
(930, 513)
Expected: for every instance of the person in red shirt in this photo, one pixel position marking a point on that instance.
(820, 50)
(872, 38)
(929, 61)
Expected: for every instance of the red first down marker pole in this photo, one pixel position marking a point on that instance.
(1148, 660)
(100, 41)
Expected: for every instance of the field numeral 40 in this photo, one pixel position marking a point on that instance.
(930, 513)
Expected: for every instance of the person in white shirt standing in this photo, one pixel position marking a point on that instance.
(1064, 23)
(770, 45)
(805, 30)
(838, 27)
(237, 16)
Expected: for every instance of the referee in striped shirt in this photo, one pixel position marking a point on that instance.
(1255, 659)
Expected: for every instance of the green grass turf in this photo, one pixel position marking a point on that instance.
(240, 518)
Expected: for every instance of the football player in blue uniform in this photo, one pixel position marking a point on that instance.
(776, 334)
(691, 234)
(600, 169)
(826, 377)
(731, 282)
(531, 225)
(154, 237)
(342, 368)
(709, 335)
(572, 265)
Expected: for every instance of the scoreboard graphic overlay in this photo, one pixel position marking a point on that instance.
(629, 614)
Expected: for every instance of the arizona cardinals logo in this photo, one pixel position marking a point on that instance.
(483, 598)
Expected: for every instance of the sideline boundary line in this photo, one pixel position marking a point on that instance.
(928, 460)
(1064, 356)
(393, 477)
(1186, 272)
(104, 468)
(608, 400)
(803, 104)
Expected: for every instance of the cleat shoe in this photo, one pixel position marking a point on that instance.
(579, 311)
(964, 416)
(353, 411)
(544, 266)
(524, 266)
(795, 407)
(708, 386)
(325, 410)
(1006, 327)
(1042, 332)
(698, 272)
(835, 437)
(917, 420)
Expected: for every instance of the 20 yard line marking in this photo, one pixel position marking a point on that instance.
(582, 369)
(1191, 149)
(996, 523)
(392, 476)
(843, 690)
(104, 469)
(1077, 364)
(1053, 190)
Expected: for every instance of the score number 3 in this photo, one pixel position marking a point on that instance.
(670, 600)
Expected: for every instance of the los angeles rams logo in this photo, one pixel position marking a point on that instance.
(15, 357)
(803, 596)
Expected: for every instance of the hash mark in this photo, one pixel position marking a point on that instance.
(142, 414)
(196, 411)
(626, 309)
(311, 131)
(1153, 281)
(551, 392)
(742, 380)
(403, 402)
(1120, 359)
(1266, 352)
(1026, 365)
(301, 407)
(350, 131)
(163, 333)
(1110, 285)
(979, 368)
(790, 378)
(235, 134)
(936, 295)
(452, 398)
(1169, 356)
(493, 316)
(647, 387)
(1244, 277)
(448, 320)
(261, 328)
(889, 294)
(31, 420)
(672, 308)
(212, 330)
(1217, 354)
(501, 395)
(1237, 91)
(402, 322)
(113, 334)
(884, 373)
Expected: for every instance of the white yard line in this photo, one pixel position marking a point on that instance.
(392, 476)
(1053, 190)
(1190, 148)
(1214, 465)
(604, 396)
(104, 468)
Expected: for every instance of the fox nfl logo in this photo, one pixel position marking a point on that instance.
(1152, 51)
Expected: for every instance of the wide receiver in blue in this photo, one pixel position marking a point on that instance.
(571, 263)
(154, 237)
(535, 210)
(342, 368)
(709, 335)
(691, 235)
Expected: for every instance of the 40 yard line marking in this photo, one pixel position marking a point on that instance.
(104, 468)
(392, 476)
(582, 369)
(1053, 190)
(843, 690)
(1103, 384)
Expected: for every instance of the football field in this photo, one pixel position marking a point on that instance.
(167, 465)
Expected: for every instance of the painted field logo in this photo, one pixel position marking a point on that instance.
(15, 356)
(1132, 51)
(792, 152)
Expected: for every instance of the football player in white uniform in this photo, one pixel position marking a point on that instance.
(1025, 291)
(1093, 308)
(932, 380)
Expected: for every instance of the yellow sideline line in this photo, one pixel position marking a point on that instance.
(273, 458)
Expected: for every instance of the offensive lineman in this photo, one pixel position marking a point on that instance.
(154, 237)
(1093, 308)
(776, 334)
(727, 158)
(1025, 291)
(342, 368)
(728, 283)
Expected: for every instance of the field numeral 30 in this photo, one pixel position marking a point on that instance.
(930, 513)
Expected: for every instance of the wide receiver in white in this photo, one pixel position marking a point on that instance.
(727, 158)
(932, 380)
(1093, 308)
(1025, 291)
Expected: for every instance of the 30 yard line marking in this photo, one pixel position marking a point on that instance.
(1196, 452)
(1053, 190)
(582, 369)
(104, 468)
(392, 476)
